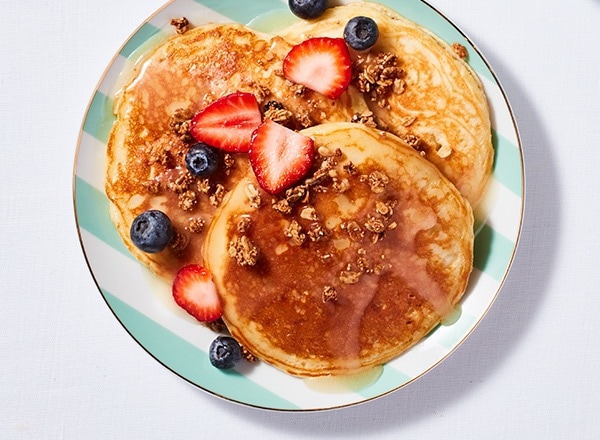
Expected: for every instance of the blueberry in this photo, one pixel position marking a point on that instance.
(151, 231)
(307, 9)
(361, 33)
(201, 160)
(224, 352)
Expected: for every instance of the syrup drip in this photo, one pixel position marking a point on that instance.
(344, 384)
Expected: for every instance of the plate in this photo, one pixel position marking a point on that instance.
(143, 304)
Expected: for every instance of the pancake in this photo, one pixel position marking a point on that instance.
(150, 137)
(349, 268)
(419, 89)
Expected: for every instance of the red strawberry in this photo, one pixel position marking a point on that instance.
(321, 64)
(279, 156)
(195, 292)
(228, 122)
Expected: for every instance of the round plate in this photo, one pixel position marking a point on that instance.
(143, 304)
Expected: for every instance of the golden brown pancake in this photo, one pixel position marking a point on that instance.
(349, 268)
(419, 89)
(149, 140)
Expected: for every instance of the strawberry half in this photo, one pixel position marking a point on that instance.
(228, 123)
(322, 64)
(196, 293)
(279, 156)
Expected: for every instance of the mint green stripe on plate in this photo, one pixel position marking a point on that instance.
(93, 215)
(189, 361)
(100, 118)
(493, 252)
(143, 34)
(242, 13)
(507, 164)
(390, 379)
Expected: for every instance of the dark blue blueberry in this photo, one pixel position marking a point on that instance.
(151, 231)
(224, 352)
(361, 33)
(307, 9)
(202, 160)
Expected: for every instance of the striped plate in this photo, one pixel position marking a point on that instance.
(142, 304)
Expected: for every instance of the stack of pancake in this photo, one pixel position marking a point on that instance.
(366, 254)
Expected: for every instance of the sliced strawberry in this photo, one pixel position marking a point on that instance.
(228, 122)
(279, 156)
(322, 64)
(195, 292)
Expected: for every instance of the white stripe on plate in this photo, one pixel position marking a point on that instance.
(92, 153)
(482, 289)
(499, 114)
(501, 209)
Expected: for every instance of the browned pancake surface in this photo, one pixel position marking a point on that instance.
(363, 266)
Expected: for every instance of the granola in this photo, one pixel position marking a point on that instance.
(228, 163)
(217, 196)
(204, 186)
(243, 224)
(277, 112)
(349, 276)
(376, 225)
(317, 232)
(196, 225)
(329, 294)
(253, 195)
(243, 251)
(249, 357)
(378, 76)
(187, 200)
(460, 50)
(179, 123)
(365, 118)
(377, 181)
(295, 233)
(309, 213)
(354, 230)
(181, 25)
(181, 184)
(152, 186)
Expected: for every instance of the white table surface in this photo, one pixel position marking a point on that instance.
(531, 369)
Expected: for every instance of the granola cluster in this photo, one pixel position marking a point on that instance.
(365, 118)
(189, 190)
(277, 112)
(181, 24)
(329, 294)
(160, 152)
(243, 250)
(179, 123)
(378, 76)
(196, 225)
(460, 50)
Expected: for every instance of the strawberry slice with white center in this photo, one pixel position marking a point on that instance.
(279, 156)
(322, 64)
(196, 293)
(228, 123)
